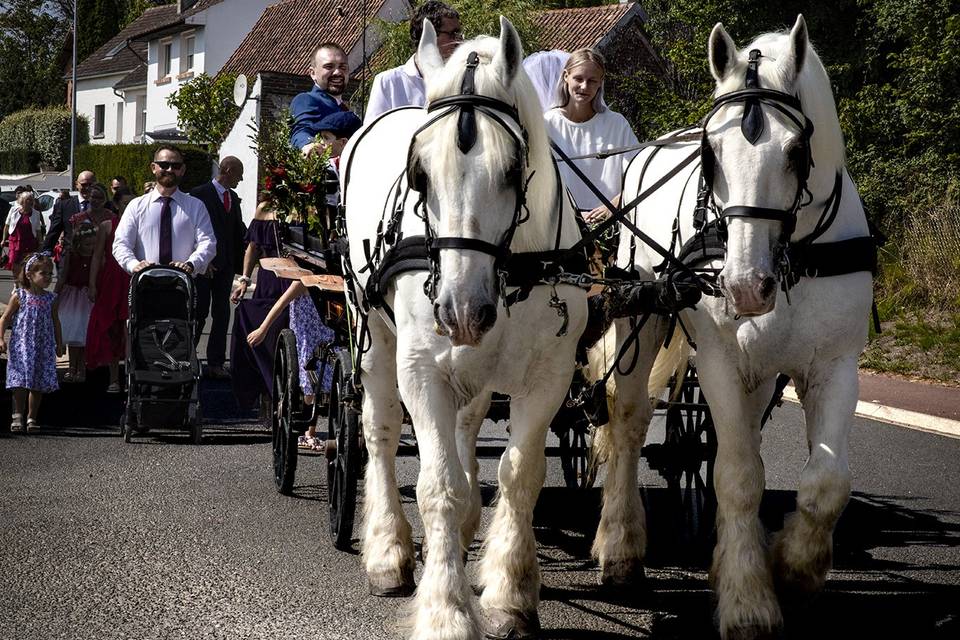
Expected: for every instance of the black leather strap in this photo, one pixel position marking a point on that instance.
(468, 244)
(762, 213)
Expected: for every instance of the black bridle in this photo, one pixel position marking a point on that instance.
(751, 125)
(466, 105)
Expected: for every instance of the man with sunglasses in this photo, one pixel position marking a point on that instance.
(66, 208)
(403, 86)
(165, 226)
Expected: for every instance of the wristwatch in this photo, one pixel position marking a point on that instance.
(244, 280)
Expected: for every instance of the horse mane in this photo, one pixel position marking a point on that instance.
(438, 143)
(812, 85)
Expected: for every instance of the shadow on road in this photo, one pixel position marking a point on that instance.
(863, 597)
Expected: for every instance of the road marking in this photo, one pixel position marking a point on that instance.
(898, 417)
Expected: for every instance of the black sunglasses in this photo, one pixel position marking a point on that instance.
(163, 164)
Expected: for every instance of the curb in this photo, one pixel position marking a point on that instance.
(897, 417)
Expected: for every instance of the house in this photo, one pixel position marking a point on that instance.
(123, 86)
(275, 58)
(615, 30)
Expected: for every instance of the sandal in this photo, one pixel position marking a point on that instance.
(305, 442)
(32, 424)
(114, 387)
(68, 377)
(16, 423)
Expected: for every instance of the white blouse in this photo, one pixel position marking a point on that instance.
(605, 130)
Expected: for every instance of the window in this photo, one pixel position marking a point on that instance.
(99, 112)
(166, 53)
(187, 48)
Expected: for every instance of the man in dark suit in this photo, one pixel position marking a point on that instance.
(65, 208)
(213, 287)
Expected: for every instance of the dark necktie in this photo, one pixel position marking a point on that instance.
(226, 201)
(166, 232)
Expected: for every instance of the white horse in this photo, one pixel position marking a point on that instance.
(754, 331)
(448, 355)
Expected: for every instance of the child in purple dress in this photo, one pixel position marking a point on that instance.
(35, 341)
(311, 333)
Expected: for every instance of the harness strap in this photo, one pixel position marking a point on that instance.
(469, 244)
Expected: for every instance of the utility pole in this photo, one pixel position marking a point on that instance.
(73, 96)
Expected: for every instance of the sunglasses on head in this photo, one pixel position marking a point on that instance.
(163, 164)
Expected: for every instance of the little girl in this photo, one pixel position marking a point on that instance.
(35, 342)
(310, 333)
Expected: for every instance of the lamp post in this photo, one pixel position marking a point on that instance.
(73, 96)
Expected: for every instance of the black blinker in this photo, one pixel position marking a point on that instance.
(751, 124)
(467, 121)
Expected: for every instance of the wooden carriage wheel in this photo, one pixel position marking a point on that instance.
(343, 452)
(685, 460)
(287, 402)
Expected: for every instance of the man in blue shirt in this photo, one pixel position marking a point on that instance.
(329, 71)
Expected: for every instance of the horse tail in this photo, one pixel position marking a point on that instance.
(671, 359)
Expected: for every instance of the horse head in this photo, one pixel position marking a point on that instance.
(471, 163)
(758, 152)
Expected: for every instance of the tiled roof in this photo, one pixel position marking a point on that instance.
(572, 29)
(286, 34)
(123, 60)
(136, 78)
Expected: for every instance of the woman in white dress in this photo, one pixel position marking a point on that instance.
(581, 123)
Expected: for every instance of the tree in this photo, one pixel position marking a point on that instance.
(30, 44)
(205, 108)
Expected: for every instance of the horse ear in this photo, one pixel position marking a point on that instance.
(799, 41)
(507, 59)
(723, 52)
(428, 54)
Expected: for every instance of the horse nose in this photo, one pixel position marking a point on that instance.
(485, 317)
(767, 287)
(754, 294)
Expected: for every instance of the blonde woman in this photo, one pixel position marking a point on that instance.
(581, 123)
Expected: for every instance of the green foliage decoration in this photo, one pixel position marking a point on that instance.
(45, 132)
(205, 108)
(132, 161)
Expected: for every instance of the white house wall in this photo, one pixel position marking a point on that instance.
(159, 114)
(94, 91)
(226, 25)
(238, 144)
(130, 112)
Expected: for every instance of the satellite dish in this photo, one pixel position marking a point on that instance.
(240, 90)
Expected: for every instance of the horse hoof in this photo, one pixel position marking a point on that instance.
(753, 632)
(512, 625)
(624, 573)
(388, 584)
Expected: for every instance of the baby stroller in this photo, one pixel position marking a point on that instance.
(163, 372)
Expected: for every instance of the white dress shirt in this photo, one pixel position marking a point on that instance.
(605, 130)
(397, 87)
(138, 234)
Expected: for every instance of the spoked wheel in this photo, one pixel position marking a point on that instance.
(343, 452)
(685, 460)
(575, 455)
(286, 404)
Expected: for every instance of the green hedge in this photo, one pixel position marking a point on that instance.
(132, 161)
(18, 162)
(43, 131)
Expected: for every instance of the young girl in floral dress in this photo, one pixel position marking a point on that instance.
(35, 342)
(311, 333)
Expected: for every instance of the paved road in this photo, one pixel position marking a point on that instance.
(160, 539)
